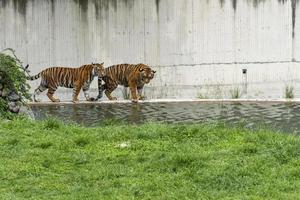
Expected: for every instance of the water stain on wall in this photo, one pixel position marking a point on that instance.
(294, 7)
(52, 6)
(103, 5)
(157, 2)
(222, 3)
(294, 4)
(19, 5)
(234, 2)
(83, 4)
(129, 3)
(256, 3)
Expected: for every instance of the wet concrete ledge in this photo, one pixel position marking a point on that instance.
(48, 103)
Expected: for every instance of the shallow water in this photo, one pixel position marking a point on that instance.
(278, 116)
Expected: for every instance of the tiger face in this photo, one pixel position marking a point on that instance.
(99, 69)
(147, 74)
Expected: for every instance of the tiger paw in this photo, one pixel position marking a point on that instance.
(113, 98)
(75, 100)
(142, 97)
(37, 100)
(99, 97)
(56, 100)
(91, 99)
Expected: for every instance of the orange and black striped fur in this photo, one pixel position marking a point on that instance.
(76, 78)
(128, 75)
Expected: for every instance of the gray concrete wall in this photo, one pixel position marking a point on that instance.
(198, 47)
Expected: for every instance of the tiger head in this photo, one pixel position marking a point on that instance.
(146, 73)
(99, 69)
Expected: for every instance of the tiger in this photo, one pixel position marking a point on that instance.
(134, 76)
(75, 78)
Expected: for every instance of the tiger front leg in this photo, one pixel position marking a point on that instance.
(85, 90)
(76, 91)
(133, 90)
(140, 96)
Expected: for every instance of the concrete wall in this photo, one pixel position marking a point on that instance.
(198, 47)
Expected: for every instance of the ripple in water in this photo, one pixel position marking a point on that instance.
(279, 116)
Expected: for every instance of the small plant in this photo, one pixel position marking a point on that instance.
(235, 93)
(218, 91)
(52, 123)
(202, 96)
(289, 92)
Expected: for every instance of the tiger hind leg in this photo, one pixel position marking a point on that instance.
(109, 89)
(76, 91)
(133, 91)
(108, 94)
(101, 88)
(38, 91)
(100, 92)
(50, 95)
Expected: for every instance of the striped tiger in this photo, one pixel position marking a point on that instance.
(75, 78)
(128, 75)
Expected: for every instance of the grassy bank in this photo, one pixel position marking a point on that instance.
(49, 160)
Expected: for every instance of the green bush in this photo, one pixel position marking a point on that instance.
(13, 87)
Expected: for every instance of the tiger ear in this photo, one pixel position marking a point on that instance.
(102, 63)
(92, 63)
(153, 71)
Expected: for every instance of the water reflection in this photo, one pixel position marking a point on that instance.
(280, 116)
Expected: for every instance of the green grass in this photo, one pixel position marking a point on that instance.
(50, 160)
